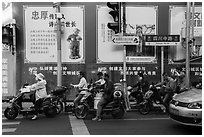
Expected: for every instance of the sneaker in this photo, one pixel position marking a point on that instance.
(34, 117)
(96, 119)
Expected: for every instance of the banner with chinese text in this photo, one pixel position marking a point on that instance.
(178, 27)
(41, 38)
(141, 20)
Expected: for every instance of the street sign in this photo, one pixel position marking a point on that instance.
(125, 40)
(162, 40)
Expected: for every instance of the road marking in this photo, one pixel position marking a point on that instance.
(6, 130)
(78, 126)
(10, 123)
(145, 119)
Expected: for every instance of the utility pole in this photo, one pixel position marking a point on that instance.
(59, 56)
(188, 18)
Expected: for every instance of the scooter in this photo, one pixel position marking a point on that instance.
(48, 107)
(88, 103)
(59, 97)
(151, 101)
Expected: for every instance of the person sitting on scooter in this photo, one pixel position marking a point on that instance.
(180, 78)
(82, 86)
(168, 87)
(40, 92)
(106, 97)
(100, 82)
(141, 86)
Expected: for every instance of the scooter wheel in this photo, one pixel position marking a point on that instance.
(144, 109)
(11, 113)
(118, 113)
(81, 111)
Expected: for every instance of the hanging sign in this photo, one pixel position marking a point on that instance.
(126, 40)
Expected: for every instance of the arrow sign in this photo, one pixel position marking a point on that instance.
(126, 40)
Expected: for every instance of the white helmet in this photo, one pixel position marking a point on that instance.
(117, 94)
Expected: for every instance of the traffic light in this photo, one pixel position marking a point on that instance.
(7, 35)
(116, 14)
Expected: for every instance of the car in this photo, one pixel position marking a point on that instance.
(186, 107)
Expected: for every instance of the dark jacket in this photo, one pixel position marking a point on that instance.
(108, 90)
(144, 85)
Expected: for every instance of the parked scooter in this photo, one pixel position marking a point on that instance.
(59, 97)
(48, 106)
(89, 103)
(152, 100)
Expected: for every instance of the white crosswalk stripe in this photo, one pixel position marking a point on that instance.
(9, 126)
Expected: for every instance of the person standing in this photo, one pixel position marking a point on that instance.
(82, 87)
(106, 97)
(40, 92)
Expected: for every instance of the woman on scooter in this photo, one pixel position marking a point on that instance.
(82, 86)
(40, 92)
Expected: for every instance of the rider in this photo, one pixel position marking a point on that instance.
(82, 86)
(106, 97)
(40, 92)
(180, 78)
(141, 87)
(168, 87)
(100, 80)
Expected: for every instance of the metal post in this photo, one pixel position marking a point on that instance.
(188, 13)
(124, 59)
(59, 57)
(162, 63)
(192, 26)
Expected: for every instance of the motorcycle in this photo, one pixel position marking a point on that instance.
(135, 95)
(59, 97)
(88, 103)
(152, 100)
(48, 107)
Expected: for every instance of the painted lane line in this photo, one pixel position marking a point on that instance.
(6, 130)
(78, 126)
(10, 123)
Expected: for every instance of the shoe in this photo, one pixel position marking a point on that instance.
(96, 119)
(34, 117)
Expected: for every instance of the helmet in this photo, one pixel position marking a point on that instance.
(117, 94)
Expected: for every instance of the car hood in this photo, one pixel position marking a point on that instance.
(192, 95)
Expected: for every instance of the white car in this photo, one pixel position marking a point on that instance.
(186, 107)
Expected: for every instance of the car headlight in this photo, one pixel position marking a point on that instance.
(195, 105)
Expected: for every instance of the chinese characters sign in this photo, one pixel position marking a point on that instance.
(178, 27)
(41, 38)
(162, 40)
(140, 21)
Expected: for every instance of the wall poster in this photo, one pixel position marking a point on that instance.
(41, 37)
(178, 27)
(141, 20)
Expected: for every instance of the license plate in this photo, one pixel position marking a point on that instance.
(174, 111)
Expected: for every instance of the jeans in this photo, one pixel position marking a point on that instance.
(101, 104)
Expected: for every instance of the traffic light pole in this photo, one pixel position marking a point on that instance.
(124, 58)
(59, 57)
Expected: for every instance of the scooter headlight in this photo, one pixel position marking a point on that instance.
(117, 94)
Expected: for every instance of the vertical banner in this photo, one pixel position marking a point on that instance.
(41, 39)
(178, 27)
(140, 21)
(8, 72)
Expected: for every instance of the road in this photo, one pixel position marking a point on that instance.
(66, 124)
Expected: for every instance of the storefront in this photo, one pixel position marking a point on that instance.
(37, 41)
